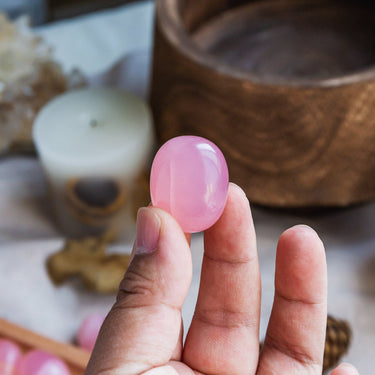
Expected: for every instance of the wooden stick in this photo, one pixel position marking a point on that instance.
(74, 357)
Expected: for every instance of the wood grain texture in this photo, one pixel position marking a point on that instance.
(74, 357)
(299, 139)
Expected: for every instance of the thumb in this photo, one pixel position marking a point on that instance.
(143, 328)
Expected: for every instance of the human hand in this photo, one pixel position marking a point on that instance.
(143, 332)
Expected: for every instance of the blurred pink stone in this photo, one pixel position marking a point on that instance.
(189, 179)
(37, 362)
(10, 353)
(89, 331)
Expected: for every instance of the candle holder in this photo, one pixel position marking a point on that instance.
(93, 200)
(95, 146)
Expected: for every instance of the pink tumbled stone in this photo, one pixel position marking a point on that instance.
(89, 330)
(10, 353)
(189, 179)
(37, 362)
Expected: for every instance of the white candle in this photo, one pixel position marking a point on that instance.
(94, 144)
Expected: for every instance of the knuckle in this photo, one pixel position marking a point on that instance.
(136, 283)
(225, 318)
(293, 351)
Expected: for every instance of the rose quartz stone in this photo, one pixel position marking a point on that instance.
(37, 362)
(189, 179)
(89, 331)
(10, 353)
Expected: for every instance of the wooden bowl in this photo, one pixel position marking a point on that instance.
(285, 88)
(74, 357)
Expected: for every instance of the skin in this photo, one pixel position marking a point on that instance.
(143, 332)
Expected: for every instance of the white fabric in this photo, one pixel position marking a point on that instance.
(95, 44)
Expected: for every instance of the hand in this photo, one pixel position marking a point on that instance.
(143, 332)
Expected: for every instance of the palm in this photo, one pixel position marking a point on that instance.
(143, 335)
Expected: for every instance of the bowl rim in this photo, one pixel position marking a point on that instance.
(174, 31)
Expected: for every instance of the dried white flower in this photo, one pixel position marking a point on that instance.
(28, 79)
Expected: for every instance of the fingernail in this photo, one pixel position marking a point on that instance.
(148, 229)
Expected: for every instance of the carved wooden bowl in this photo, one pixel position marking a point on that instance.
(285, 88)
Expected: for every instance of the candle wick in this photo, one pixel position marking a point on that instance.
(93, 123)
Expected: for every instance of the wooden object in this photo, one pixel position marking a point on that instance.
(285, 88)
(74, 357)
(338, 340)
(86, 258)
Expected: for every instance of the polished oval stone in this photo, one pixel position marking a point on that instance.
(37, 362)
(10, 353)
(89, 330)
(189, 179)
